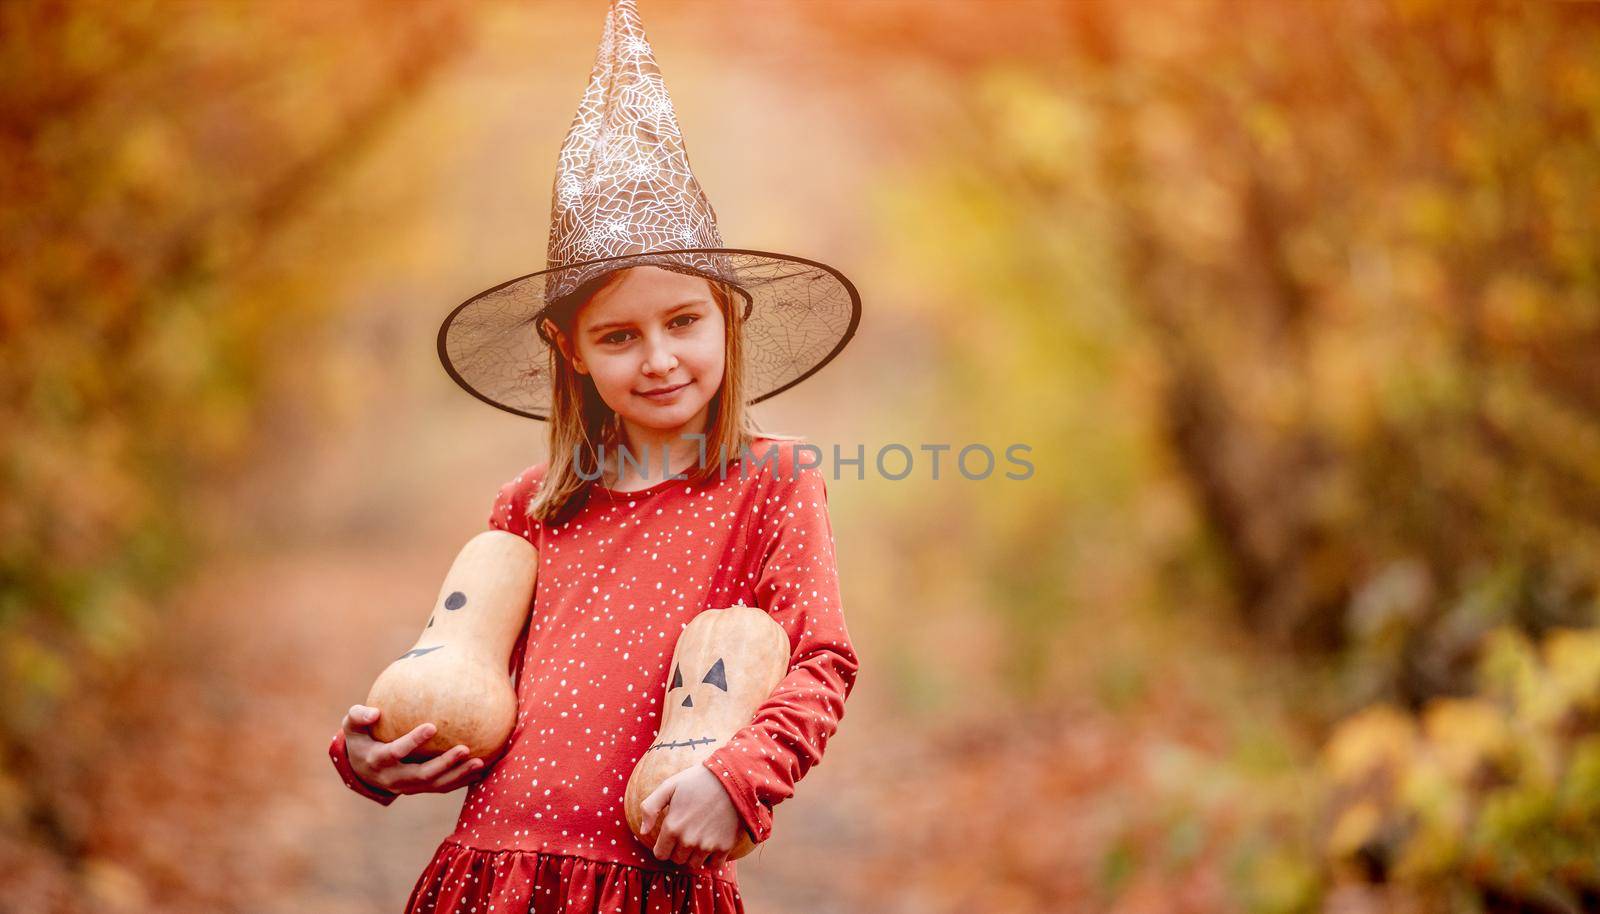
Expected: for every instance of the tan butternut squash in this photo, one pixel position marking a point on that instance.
(725, 664)
(457, 675)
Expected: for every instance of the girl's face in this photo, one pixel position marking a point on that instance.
(651, 330)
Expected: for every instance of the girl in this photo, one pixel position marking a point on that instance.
(625, 561)
(643, 343)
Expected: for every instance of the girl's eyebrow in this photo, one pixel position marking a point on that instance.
(667, 313)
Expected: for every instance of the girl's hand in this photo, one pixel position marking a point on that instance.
(699, 827)
(382, 764)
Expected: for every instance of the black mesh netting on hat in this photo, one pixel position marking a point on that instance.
(801, 314)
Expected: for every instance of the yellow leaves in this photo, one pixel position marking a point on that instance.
(1281, 881)
(1472, 151)
(1466, 734)
(115, 623)
(1270, 127)
(86, 41)
(1377, 739)
(1492, 788)
(27, 661)
(1438, 808)
(1429, 211)
(1517, 308)
(150, 163)
(1508, 667)
(1035, 123)
(1572, 657)
(1353, 828)
(1536, 689)
(1578, 801)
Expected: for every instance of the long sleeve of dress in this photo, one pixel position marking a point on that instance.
(506, 514)
(798, 586)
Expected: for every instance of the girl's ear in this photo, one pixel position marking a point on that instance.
(565, 345)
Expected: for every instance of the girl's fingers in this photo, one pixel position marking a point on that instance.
(411, 742)
(359, 719)
(432, 769)
(665, 845)
(467, 771)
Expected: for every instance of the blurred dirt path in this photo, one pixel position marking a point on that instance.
(306, 632)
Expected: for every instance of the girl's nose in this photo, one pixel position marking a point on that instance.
(659, 360)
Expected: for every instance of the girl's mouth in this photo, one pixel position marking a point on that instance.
(668, 394)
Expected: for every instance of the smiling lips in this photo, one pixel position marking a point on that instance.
(664, 393)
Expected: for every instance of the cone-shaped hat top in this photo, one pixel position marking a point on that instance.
(623, 184)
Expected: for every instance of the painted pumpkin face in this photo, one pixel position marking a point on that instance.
(715, 679)
(455, 601)
(716, 676)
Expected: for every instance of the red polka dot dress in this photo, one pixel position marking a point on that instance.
(544, 830)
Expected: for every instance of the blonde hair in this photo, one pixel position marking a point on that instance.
(581, 422)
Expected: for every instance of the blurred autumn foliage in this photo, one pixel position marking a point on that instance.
(151, 155)
(1296, 304)
(1329, 272)
(1492, 798)
(1340, 259)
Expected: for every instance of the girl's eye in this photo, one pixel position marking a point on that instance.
(620, 336)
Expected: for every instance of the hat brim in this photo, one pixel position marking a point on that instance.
(800, 315)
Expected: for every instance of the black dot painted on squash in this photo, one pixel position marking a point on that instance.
(455, 600)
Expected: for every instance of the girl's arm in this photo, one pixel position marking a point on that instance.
(799, 586)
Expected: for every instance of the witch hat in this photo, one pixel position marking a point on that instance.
(625, 196)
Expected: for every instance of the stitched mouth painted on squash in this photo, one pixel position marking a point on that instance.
(680, 743)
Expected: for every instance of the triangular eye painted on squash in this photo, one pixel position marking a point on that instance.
(677, 678)
(716, 676)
